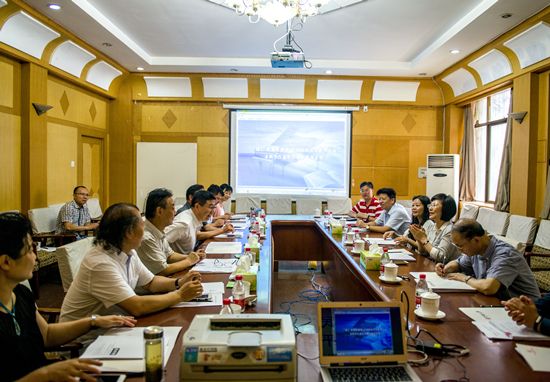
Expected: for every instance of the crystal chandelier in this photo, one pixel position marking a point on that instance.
(276, 12)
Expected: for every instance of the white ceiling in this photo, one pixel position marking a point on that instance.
(370, 38)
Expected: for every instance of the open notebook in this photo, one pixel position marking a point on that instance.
(363, 340)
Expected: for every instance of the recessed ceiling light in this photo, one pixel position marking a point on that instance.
(328, 71)
(107, 44)
(422, 74)
(454, 51)
(140, 68)
(233, 70)
(55, 7)
(506, 15)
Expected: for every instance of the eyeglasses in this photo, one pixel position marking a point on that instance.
(82, 194)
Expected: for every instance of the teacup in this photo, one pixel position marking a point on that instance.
(317, 212)
(350, 236)
(390, 271)
(358, 245)
(430, 304)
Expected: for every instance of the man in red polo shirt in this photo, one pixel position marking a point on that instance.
(368, 208)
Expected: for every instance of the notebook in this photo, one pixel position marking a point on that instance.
(362, 337)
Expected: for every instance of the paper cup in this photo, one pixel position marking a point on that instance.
(358, 245)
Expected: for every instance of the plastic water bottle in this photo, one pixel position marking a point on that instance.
(238, 292)
(250, 255)
(226, 309)
(421, 288)
(384, 259)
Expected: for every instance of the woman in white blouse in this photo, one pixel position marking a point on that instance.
(420, 217)
(435, 240)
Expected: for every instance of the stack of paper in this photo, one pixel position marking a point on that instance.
(496, 324)
(234, 235)
(439, 284)
(223, 247)
(216, 265)
(400, 255)
(214, 290)
(121, 349)
(380, 241)
(537, 357)
(238, 217)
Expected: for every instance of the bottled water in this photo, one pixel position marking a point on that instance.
(421, 288)
(238, 291)
(226, 309)
(384, 259)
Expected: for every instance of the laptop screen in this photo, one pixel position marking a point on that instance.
(361, 331)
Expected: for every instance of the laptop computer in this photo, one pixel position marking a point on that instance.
(363, 341)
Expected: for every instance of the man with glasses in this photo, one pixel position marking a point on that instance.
(74, 216)
(394, 216)
(489, 265)
(186, 229)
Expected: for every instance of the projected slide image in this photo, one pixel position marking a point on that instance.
(291, 154)
(363, 334)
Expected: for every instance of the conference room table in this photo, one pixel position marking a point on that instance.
(303, 238)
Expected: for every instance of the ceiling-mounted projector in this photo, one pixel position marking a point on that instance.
(287, 59)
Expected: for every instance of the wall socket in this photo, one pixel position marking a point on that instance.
(422, 172)
(365, 109)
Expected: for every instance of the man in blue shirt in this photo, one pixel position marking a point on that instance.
(489, 265)
(394, 216)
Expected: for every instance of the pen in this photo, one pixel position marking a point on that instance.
(490, 306)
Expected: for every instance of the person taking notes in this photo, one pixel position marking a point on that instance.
(489, 265)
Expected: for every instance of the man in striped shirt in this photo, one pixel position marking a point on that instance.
(368, 208)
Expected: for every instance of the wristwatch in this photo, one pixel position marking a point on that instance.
(93, 319)
(177, 283)
(536, 325)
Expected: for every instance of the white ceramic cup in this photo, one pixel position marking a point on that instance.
(390, 271)
(350, 236)
(430, 304)
(317, 212)
(359, 245)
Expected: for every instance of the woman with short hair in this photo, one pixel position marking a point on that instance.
(435, 240)
(23, 331)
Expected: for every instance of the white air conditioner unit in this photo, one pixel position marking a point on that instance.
(443, 175)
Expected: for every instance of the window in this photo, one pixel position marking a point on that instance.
(490, 114)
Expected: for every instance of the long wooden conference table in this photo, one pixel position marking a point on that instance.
(301, 238)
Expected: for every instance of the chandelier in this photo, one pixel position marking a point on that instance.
(276, 12)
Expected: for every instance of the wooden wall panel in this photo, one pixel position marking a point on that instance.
(191, 119)
(8, 83)
(418, 151)
(212, 160)
(62, 150)
(10, 159)
(397, 121)
(76, 105)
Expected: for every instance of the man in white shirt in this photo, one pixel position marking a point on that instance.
(155, 251)
(394, 217)
(111, 270)
(184, 232)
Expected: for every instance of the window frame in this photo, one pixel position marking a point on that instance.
(489, 124)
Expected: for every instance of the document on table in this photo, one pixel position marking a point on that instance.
(400, 255)
(215, 290)
(537, 357)
(439, 284)
(216, 265)
(234, 235)
(380, 241)
(239, 225)
(238, 217)
(223, 247)
(485, 314)
(121, 338)
(508, 330)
